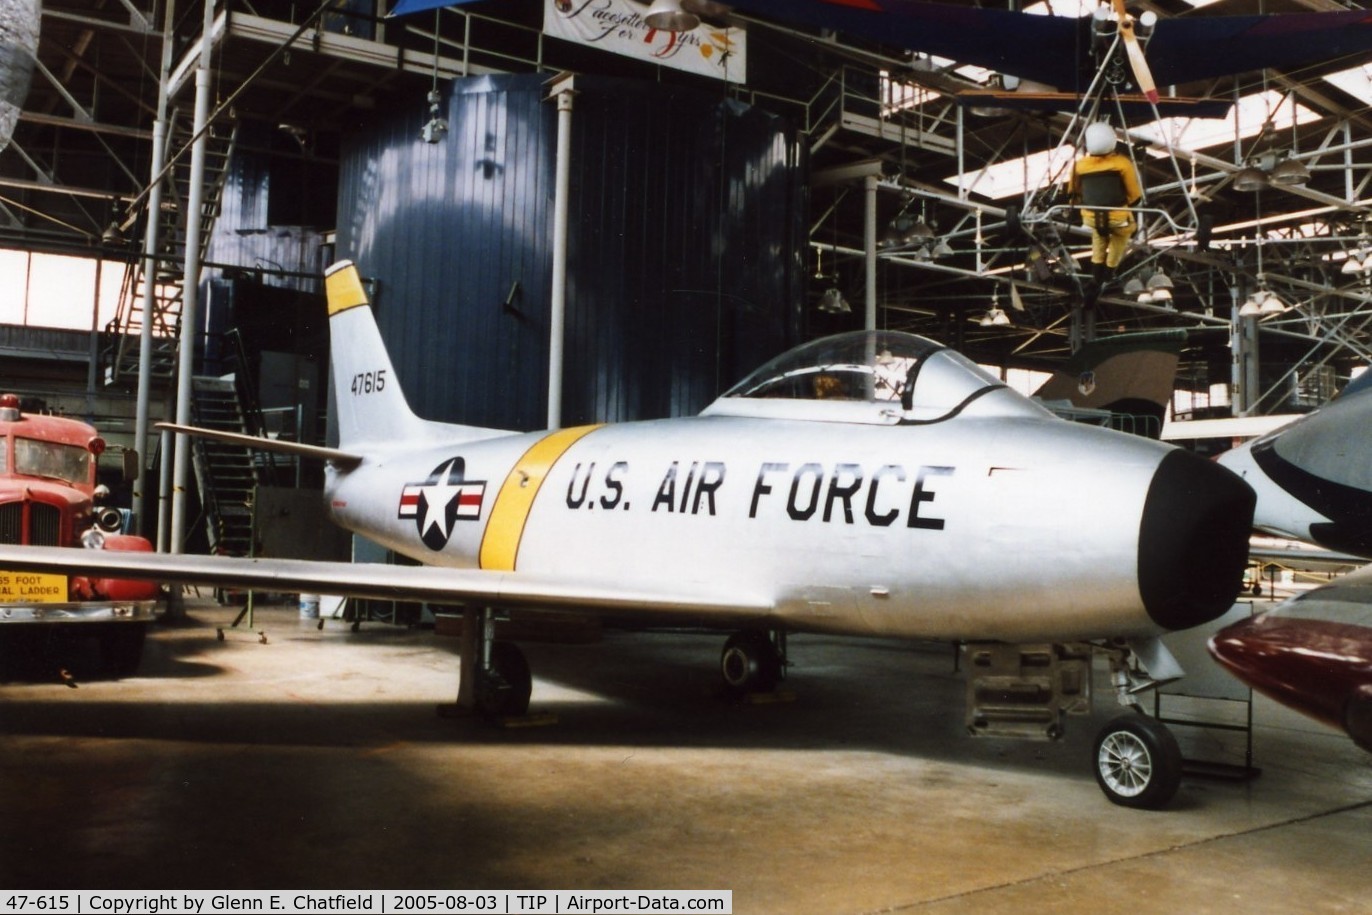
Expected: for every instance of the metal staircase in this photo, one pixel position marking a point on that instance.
(120, 353)
(225, 474)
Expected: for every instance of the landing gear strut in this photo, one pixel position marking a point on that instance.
(503, 685)
(1137, 760)
(496, 681)
(753, 662)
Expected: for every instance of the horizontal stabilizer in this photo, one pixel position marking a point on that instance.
(342, 459)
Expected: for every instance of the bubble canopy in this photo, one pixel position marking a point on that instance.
(922, 380)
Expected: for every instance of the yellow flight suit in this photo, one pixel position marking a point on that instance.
(1109, 236)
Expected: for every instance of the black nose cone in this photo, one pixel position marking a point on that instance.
(1193, 540)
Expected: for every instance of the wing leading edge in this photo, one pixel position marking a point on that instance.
(379, 581)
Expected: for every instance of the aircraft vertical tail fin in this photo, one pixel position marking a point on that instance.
(371, 405)
(1131, 375)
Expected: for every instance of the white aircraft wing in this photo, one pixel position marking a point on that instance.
(382, 581)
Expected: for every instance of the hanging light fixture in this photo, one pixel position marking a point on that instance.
(1160, 286)
(1251, 307)
(668, 16)
(1359, 261)
(995, 316)
(832, 302)
(1250, 178)
(1289, 173)
(1133, 286)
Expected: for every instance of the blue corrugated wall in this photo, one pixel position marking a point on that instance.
(684, 255)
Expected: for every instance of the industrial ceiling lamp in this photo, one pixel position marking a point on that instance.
(1160, 286)
(1289, 173)
(1251, 178)
(1358, 262)
(906, 229)
(995, 316)
(1272, 304)
(1269, 303)
(832, 302)
(1251, 307)
(668, 16)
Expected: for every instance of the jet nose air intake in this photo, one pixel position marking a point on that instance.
(1193, 540)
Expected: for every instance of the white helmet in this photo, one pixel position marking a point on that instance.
(1100, 139)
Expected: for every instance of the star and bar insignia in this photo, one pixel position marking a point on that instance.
(442, 500)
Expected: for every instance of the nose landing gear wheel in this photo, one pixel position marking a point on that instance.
(750, 664)
(1138, 762)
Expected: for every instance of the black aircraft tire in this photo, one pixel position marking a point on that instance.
(503, 691)
(749, 664)
(1137, 762)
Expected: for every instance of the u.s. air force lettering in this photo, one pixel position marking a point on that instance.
(846, 493)
(440, 501)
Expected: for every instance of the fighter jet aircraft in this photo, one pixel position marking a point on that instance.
(872, 483)
(1313, 652)
(1312, 476)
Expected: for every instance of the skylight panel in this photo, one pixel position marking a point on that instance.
(1356, 81)
(901, 95)
(1245, 120)
(1014, 177)
(1068, 9)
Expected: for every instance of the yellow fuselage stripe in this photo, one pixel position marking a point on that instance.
(500, 543)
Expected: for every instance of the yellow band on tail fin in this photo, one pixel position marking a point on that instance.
(343, 284)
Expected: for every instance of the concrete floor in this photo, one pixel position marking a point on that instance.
(315, 760)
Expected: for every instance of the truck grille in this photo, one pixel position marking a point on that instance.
(45, 523)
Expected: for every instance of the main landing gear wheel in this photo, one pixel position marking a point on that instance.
(1138, 762)
(502, 690)
(750, 663)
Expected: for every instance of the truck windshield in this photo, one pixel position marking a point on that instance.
(70, 463)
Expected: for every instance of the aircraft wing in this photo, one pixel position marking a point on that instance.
(1186, 49)
(1056, 50)
(382, 581)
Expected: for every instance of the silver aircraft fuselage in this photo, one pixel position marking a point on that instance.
(965, 512)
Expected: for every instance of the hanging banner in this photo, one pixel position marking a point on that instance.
(617, 26)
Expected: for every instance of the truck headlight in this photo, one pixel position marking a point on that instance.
(93, 539)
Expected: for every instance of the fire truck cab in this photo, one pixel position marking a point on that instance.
(49, 496)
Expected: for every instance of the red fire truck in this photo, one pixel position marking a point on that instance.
(49, 496)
